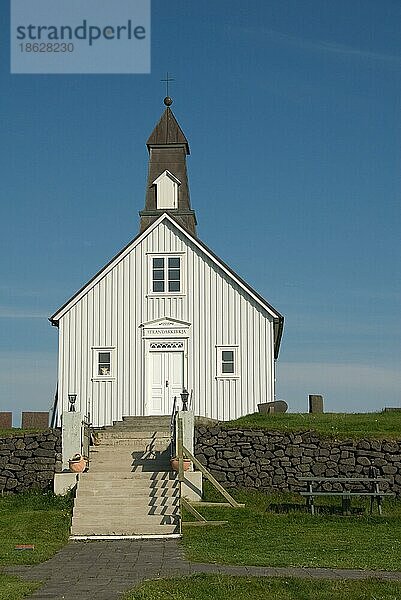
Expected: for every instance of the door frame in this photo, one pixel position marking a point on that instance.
(164, 330)
(159, 345)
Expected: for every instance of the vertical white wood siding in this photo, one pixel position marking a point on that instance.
(110, 314)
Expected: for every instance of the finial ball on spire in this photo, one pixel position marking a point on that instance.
(168, 101)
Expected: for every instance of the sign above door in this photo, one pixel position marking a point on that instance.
(165, 328)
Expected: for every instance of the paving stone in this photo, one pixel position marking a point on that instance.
(102, 570)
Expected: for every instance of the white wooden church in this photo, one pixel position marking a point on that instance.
(166, 313)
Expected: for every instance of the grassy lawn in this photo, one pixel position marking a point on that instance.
(275, 530)
(12, 588)
(223, 587)
(15, 432)
(38, 518)
(335, 425)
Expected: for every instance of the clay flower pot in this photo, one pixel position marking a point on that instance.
(77, 464)
(174, 462)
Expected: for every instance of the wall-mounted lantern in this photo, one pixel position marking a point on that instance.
(184, 397)
(72, 398)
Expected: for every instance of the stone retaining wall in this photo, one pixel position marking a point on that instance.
(274, 460)
(29, 461)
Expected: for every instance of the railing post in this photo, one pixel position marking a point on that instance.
(180, 449)
(71, 432)
(187, 419)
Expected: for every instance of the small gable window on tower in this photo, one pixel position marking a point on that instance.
(167, 190)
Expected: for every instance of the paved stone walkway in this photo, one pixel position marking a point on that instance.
(102, 570)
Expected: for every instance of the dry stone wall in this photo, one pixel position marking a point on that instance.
(274, 461)
(29, 461)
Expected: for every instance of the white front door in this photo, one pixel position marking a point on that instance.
(166, 380)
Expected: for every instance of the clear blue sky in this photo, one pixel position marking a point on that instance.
(292, 111)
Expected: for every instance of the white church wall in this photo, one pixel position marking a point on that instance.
(109, 315)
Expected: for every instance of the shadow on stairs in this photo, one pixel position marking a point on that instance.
(129, 490)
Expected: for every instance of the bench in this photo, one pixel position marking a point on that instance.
(314, 485)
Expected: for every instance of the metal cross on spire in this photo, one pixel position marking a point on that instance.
(167, 100)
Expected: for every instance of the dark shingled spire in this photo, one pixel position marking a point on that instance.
(167, 131)
(168, 149)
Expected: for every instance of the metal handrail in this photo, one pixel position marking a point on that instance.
(54, 409)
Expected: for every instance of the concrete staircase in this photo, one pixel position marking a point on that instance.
(129, 489)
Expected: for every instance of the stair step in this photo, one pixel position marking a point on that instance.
(117, 519)
(135, 493)
(134, 433)
(164, 419)
(130, 485)
(105, 495)
(130, 514)
(136, 445)
(140, 427)
(109, 469)
(145, 502)
(104, 475)
(124, 529)
(106, 451)
(128, 474)
(127, 509)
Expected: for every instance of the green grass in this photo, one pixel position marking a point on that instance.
(224, 587)
(15, 432)
(334, 425)
(275, 530)
(12, 588)
(42, 519)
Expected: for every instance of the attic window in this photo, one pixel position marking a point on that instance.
(166, 274)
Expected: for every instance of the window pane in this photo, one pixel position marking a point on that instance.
(227, 367)
(104, 363)
(173, 274)
(228, 355)
(158, 286)
(158, 263)
(173, 286)
(173, 263)
(158, 274)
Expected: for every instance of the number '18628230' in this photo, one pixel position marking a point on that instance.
(47, 47)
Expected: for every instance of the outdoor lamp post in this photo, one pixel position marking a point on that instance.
(72, 398)
(184, 397)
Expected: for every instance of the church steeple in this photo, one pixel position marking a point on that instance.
(167, 187)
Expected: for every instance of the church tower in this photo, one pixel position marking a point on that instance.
(167, 189)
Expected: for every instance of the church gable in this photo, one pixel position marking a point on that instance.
(152, 244)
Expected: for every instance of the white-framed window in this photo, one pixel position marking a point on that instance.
(166, 274)
(227, 361)
(103, 363)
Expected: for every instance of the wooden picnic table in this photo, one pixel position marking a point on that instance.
(314, 485)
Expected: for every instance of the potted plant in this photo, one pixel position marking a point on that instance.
(174, 462)
(77, 463)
